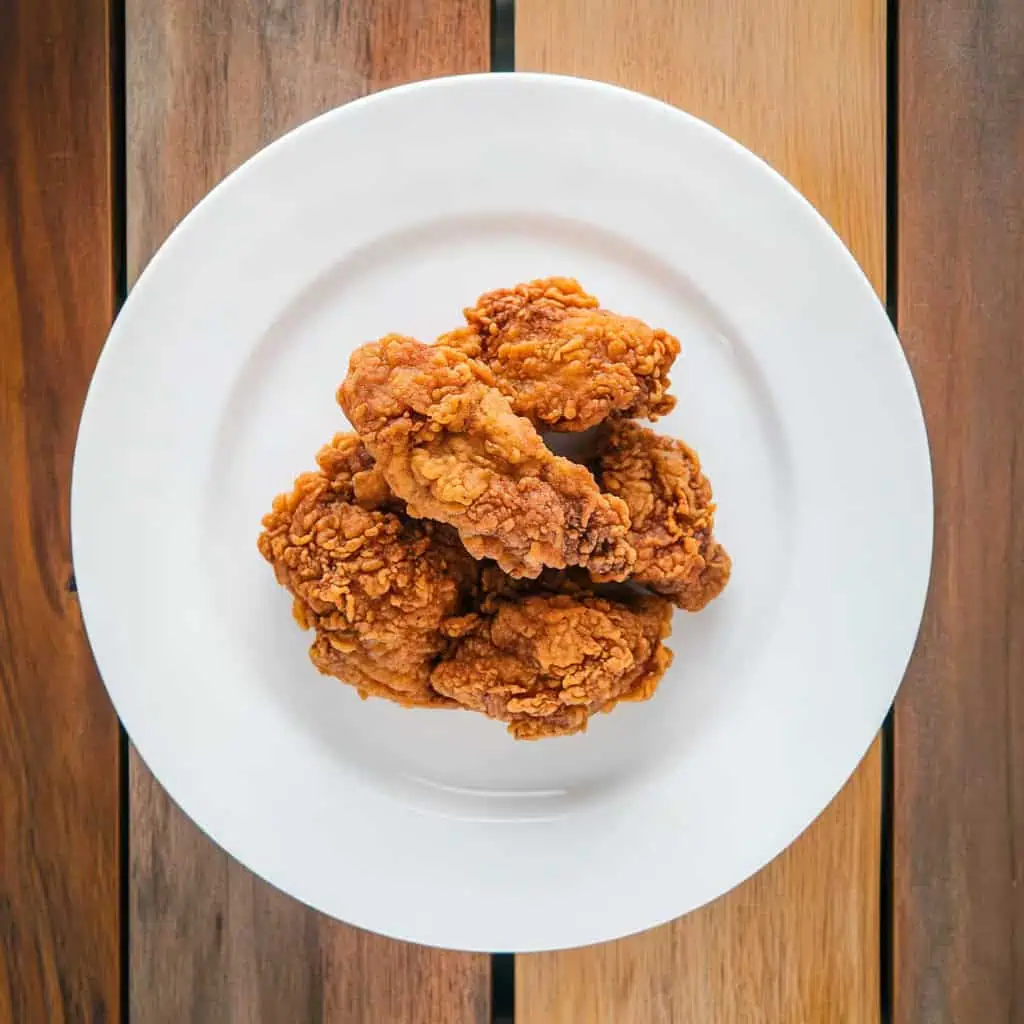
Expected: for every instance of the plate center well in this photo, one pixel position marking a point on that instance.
(282, 409)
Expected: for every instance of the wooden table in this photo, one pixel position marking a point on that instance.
(903, 122)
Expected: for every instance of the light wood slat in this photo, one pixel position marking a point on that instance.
(208, 83)
(803, 85)
(59, 919)
(798, 942)
(958, 828)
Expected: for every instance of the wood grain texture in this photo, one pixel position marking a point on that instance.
(788, 945)
(959, 756)
(803, 85)
(58, 734)
(208, 83)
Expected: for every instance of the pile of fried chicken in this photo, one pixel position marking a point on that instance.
(446, 557)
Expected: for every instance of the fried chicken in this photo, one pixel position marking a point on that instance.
(562, 361)
(446, 557)
(544, 663)
(671, 511)
(449, 445)
(373, 583)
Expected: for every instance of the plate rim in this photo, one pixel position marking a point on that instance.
(151, 271)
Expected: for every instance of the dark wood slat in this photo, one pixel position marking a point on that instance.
(208, 83)
(59, 946)
(959, 752)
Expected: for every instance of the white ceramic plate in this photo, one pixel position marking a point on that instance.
(216, 388)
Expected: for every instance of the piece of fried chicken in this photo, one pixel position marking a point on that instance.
(373, 583)
(449, 445)
(563, 362)
(544, 663)
(671, 510)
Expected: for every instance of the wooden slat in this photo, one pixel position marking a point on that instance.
(790, 945)
(208, 83)
(959, 755)
(803, 84)
(59, 947)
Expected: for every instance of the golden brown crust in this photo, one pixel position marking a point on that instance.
(374, 584)
(449, 445)
(562, 361)
(671, 512)
(544, 663)
(370, 672)
(353, 475)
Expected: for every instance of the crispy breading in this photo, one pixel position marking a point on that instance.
(449, 445)
(375, 584)
(564, 362)
(544, 663)
(671, 512)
